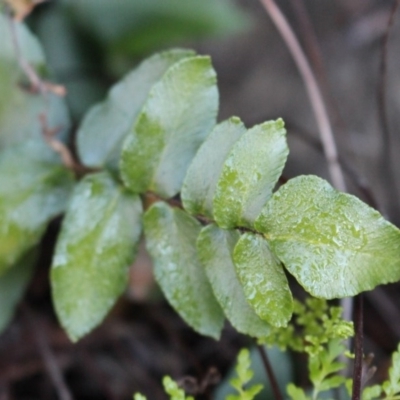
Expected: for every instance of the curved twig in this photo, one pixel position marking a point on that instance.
(314, 93)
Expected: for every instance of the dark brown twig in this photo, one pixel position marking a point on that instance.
(270, 373)
(358, 346)
(313, 50)
(309, 38)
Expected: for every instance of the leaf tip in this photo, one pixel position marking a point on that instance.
(235, 120)
(280, 123)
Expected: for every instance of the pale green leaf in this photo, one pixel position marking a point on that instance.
(6, 85)
(371, 392)
(79, 64)
(12, 287)
(282, 366)
(95, 248)
(20, 119)
(171, 241)
(173, 390)
(263, 280)
(106, 124)
(34, 189)
(296, 393)
(28, 46)
(249, 174)
(244, 373)
(179, 113)
(215, 247)
(333, 243)
(391, 387)
(332, 382)
(19, 107)
(139, 396)
(253, 391)
(201, 179)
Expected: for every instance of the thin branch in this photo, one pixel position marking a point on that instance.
(313, 50)
(358, 181)
(310, 39)
(58, 146)
(313, 91)
(318, 106)
(358, 346)
(48, 357)
(37, 83)
(270, 373)
(22, 9)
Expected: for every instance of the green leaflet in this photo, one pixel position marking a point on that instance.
(263, 280)
(244, 375)
(12, 287)
(34, 189)
(282, 366)
(333, 243)
(171, 241)
(95, 248)
(174, 391)
(179, 113)
(391, 387)
(107, 124)
(215, 248)
(249, 174)
(201, 179)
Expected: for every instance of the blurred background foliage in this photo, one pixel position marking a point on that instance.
(91, 43)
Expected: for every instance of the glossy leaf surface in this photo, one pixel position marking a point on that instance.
(12, 287)
(179, 113)
(171, 236)
(333, 243)
(215, 248)
(201, 179)
(95, 248)
(106, 124)
(249, 174)
(264, 282)
(34, 189)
